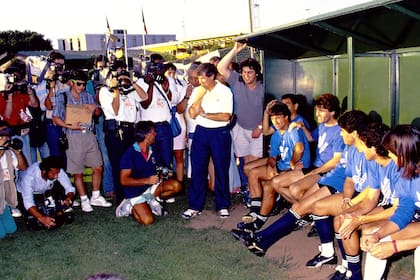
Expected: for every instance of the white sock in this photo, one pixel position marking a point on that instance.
(417, 263)
(327, 249)
(96, 194)
(374, 267)
(84, 197)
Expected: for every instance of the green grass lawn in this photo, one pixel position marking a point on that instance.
(99, 242)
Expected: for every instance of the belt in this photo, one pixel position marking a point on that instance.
(161, 123)
(124, 124)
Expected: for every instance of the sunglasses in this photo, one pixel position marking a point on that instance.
(79, 83)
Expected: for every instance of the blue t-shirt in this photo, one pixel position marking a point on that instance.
(357, 168)
(329, 142)
(408, 193)
(283, 145)
(140, 168)
(388, 176)
(335, 178)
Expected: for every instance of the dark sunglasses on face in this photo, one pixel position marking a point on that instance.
(79, 83)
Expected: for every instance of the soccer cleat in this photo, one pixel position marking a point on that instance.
(100, 201)
(341, 273)
(249, 218)
(253, 245)
(240, 234)
(312, 232)
(320, 260)
(124, 209)
(190, 213)
(248, 226)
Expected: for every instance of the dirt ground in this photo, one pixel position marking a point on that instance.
(296, 248)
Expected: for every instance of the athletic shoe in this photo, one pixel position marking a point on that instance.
(341, 273)
(15, 212)
(240, 234)
(190, 213)
(100, 201)
(247, 199)
(249, 218)
(253, 245)
(248, 226)
(224, 213)
(86, 207)
(155, 206)
(124, 209)
(279, 205)
(76, 203)
(320, 260)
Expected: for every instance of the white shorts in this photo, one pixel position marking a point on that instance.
(244, 144)
(146, 196)
(180, 141)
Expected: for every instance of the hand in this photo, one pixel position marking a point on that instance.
(269, 106)
(90, 107)
(271, 161)
(113, 83)
(382, 250)
(239, 46)
(153, 179)
(367, 241)
(256, 132)
(165, 85)
(189, 91)
(298, 165)
(348, 225)
(47, 221)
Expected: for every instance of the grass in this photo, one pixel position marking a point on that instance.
(99, 242)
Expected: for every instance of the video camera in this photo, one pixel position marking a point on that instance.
(9, 84)
(154, 71)
(163, 172)
(125, 86)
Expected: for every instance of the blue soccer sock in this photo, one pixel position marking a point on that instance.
(343, 253)
(355, 267)
(255, 205)
(278, 229)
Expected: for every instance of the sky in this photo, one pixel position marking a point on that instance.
(185, 18)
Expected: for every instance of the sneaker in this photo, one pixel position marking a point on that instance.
(340, 273)
(224, 213)
(320, 260)
(250, 227)
(249, 218)
(279, 205)
(86, 207)
(76, 203)
(170, 200)
(312, 232)
(240, 234)
(16, 212)
(253, 245)
(155, 206)
(124, 209)
(247, 199)
(189, 213)
(100, 201)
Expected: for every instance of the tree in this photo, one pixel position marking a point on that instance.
(15, 41)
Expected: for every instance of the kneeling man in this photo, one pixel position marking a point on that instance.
(142, 179)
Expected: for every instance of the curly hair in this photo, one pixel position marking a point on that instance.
(330, 102)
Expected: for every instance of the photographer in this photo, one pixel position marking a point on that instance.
(47, 194)
(55, 81)
(155, 108)
(11, 159)
(119, 101)
(142, 181)
(16, 97)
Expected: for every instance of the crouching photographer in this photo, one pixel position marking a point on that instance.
(144, 183)
(11, 159)
(119, 101)
(47, 195)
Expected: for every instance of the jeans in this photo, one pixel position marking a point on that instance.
(44, 152)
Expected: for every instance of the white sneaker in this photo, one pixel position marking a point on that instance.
(16, 212)
(224, 213)
(155, 207)
(86, 207)
(124, 209)
(100, 201)
(76, 203)
(189, 213)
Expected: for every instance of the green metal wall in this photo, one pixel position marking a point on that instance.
(374, 77)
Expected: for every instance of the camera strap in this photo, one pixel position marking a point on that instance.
(164, 97)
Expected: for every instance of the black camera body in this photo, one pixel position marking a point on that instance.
(163, 172)
(155, 71)
(15, 144)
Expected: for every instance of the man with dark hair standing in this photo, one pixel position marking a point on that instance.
(83, 148)
(248, 93)
(47, 194)
(143, 179)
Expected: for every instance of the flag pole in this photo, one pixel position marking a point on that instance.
(144, 32)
